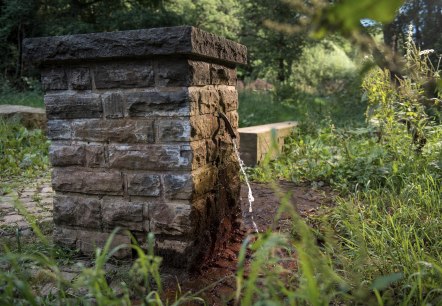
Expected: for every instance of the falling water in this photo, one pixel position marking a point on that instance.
(250, 195)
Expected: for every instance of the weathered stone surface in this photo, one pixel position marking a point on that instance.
(199, 153)
(182, 72)
(173, 130)
(124, 75)
(121, 212)
(87, 181)
(76, 155)
(228, 98)
(54, 78)
(69, 106)
(152, 157)
(143, 184)
(204, 99)
(178, 186)
(222, 75)
(138, 43)
(113, 105)
(204, 179)
(81, 211)
(117, 130)
(80, 78)
(170, 219)
(180, 247)
(59, 130)
(88, 241)
(138, 139)
(204, 126)
(158, 103)
(30, 117)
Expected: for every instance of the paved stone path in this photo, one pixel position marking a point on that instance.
(35, 198)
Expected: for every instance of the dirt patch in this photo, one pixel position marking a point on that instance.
(218, 275)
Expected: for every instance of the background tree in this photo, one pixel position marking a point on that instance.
(271, 52)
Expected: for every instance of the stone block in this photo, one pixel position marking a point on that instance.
(76, 155)
(113, 105)
(80, 78)
(86, 181)
(152, 157)
(123, 213)
(67, 155)
(71, 106)
(204, 100)
(170, 219)
(228, 98)
(157, 103)
(178, 186)
(116, 130)
(123, 74)
(182, 72)
(88, 240)
(83, 211)
(204, 126)
(222, 75)
(59, 130)
(143, 184)
(256, 141)
(173, 130)
(54, 78)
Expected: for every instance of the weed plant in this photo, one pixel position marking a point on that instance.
(380, 245)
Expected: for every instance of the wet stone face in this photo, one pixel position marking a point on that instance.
(137, 141)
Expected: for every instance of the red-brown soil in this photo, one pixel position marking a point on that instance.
(217, 276)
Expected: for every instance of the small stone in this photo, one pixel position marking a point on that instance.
(13, 219)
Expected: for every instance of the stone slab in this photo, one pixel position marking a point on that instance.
(256, 141)
(30, 117)
(184, 40)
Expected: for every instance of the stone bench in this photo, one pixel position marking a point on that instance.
(30, 117)
(256, 140)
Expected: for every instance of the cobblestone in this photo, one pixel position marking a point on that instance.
(35, 199)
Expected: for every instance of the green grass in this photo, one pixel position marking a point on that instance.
(23, 154)
(31, 97)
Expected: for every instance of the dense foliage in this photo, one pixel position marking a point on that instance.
(370, 132)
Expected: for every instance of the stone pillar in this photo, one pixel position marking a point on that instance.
(137, 141)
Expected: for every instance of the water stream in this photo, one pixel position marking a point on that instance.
(250, 197)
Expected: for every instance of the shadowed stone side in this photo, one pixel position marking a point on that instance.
(137, 141)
